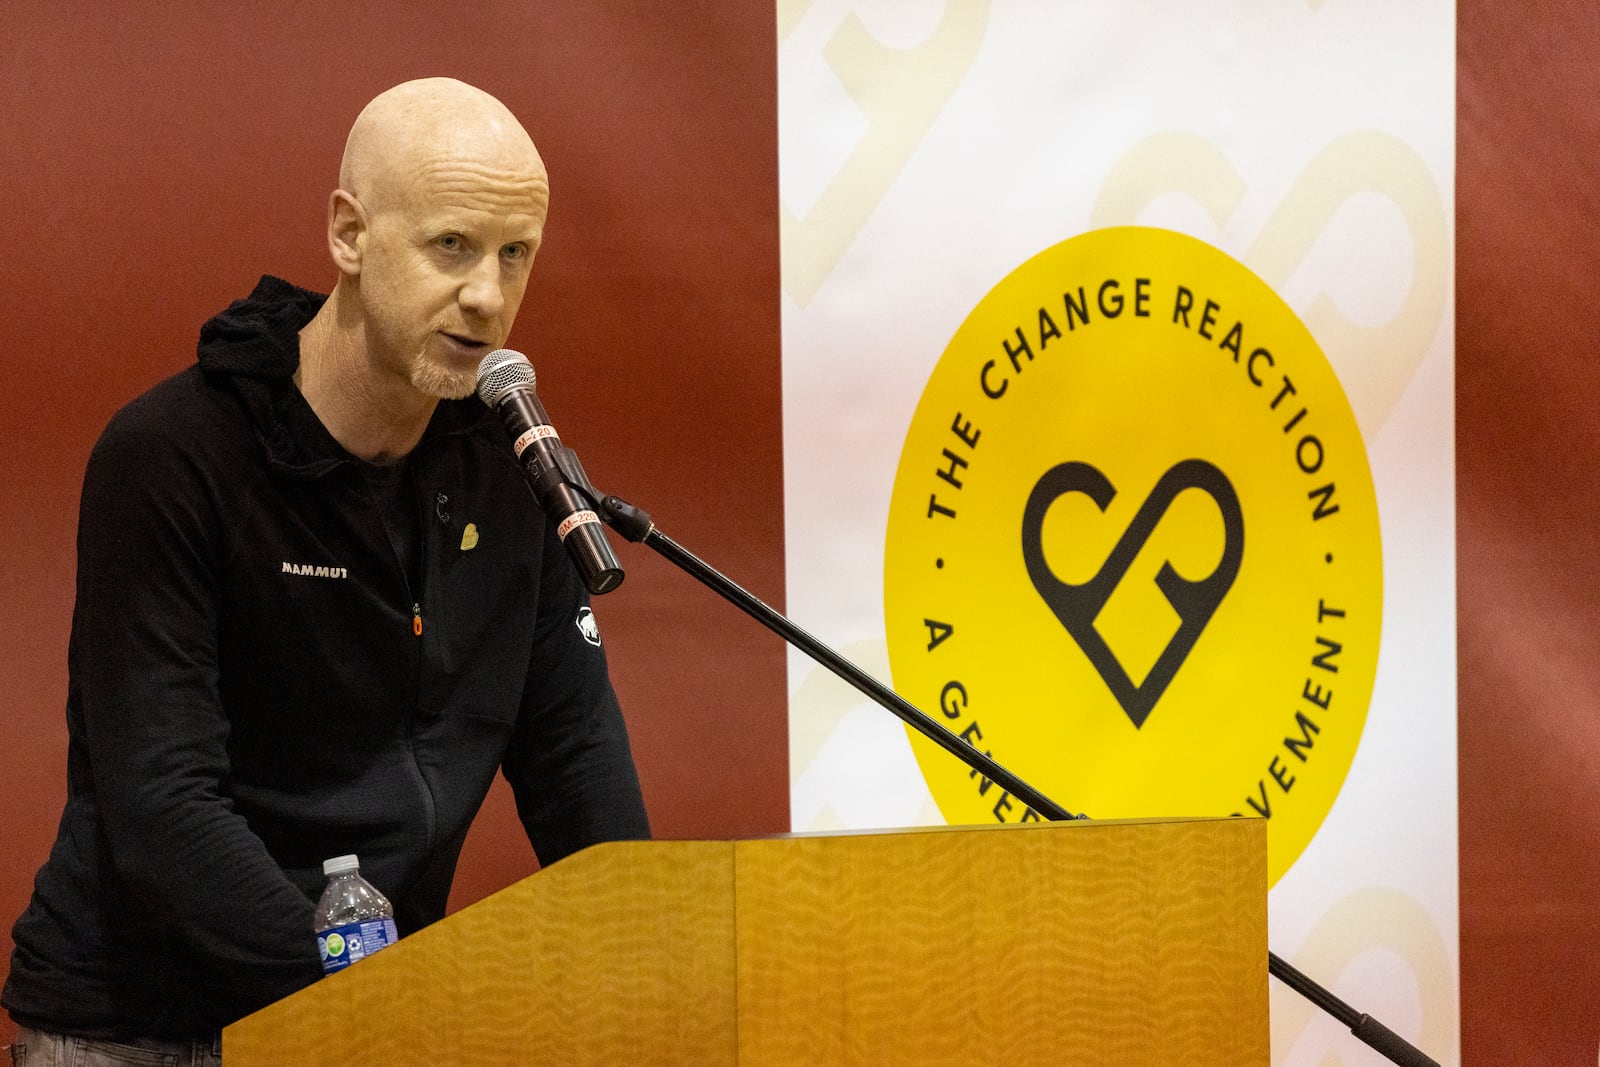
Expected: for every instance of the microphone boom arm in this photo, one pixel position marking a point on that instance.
(638, 527)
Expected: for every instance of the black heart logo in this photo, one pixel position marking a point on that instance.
(1077, 606)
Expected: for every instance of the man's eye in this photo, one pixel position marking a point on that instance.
(450, 242)
(517, 251)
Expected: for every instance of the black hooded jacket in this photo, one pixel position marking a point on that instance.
(255, 686)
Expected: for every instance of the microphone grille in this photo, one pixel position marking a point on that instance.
(502, 371)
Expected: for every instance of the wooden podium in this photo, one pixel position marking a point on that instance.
(1112, 943)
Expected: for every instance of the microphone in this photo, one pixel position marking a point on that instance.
(505, 384)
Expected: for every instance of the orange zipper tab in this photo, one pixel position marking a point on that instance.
(416, 619)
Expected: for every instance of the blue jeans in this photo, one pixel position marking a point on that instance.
(36, 1048)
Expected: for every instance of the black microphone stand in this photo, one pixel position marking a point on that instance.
(636, 526)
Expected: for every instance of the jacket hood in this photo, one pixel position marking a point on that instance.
(259, 335)
(252, 350)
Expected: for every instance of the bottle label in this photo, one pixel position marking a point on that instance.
(341, 946)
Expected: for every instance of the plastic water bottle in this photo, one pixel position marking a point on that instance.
(354, 920)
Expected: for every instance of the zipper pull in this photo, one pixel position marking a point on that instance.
(416, 619)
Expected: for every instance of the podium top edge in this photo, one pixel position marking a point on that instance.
(1080, 824)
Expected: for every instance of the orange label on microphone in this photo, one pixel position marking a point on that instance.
(536, 433)
(576, 519)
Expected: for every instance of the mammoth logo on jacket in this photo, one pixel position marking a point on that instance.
(588, 627)
(310, 570)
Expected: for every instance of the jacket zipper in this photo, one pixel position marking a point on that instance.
(417, 685)
(419, 662)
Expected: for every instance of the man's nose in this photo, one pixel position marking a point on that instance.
(481, 293)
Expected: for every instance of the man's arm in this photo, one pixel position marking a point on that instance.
(569, 763)
(144, 668)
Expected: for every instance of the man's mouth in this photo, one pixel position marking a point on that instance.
(468, 343)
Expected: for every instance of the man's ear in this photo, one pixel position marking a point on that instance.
(347, 232)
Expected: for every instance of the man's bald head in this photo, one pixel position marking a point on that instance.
(434, 228)
(420, 124)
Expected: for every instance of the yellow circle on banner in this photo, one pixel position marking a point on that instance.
(1133, 547)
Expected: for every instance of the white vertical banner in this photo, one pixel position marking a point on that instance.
(1118, 436)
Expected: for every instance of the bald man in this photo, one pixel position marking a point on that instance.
(318, 610)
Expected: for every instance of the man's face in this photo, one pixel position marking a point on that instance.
(444, 266)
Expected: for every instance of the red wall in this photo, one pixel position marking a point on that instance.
(1528, 558)
(154, 159)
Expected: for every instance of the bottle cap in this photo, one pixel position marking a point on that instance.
(340, 865)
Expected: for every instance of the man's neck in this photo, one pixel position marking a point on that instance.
(375, 414)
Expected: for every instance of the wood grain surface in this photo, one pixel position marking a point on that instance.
(622, 953)
(1115, 943)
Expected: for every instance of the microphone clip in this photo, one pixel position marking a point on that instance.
(632, 523)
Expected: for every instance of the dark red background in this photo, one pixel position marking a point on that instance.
(155, 158)
(1528, 559)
